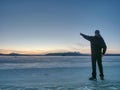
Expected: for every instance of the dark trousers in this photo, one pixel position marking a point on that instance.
(97, 58)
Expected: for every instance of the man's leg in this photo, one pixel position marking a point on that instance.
(93, 68)
(99, 61)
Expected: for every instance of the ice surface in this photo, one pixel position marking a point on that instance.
(57, 73)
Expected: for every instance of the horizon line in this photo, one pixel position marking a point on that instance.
(34, 52)
(54, 53)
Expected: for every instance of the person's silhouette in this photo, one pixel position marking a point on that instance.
(98, 49)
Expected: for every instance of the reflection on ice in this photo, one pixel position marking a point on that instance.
(84, 86)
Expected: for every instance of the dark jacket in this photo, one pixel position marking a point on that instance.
(98, 45)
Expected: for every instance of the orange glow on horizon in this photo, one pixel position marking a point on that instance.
(83, 51)
(22, 52)
(32, 51)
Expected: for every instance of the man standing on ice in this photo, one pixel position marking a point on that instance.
(98, 49)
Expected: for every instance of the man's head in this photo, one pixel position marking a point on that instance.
(97, 32)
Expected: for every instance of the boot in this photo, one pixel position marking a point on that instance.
(93, 78)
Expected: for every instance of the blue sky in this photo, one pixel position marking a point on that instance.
(41, 26)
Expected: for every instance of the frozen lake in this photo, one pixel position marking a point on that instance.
(56, 73)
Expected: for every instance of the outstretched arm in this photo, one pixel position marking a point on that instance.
(85, 36)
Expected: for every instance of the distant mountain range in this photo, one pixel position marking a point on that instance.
(64, 54)
(54, 54)
(48, 54)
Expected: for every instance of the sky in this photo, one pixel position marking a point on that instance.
(43, 26)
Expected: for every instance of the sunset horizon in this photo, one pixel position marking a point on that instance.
(34, 26)
(42, 52)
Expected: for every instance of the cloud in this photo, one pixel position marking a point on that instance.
(81, 45)
(5, 51)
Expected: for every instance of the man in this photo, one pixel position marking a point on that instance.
(98, 49)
